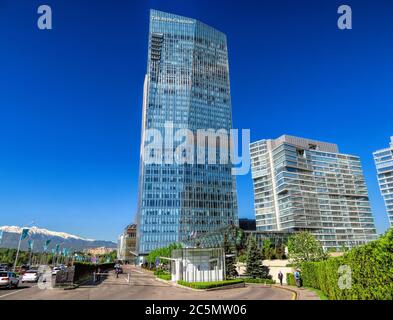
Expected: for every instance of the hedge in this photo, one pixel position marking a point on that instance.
(164, 276)
(160, 272)
(291, 279)
(371, 267)
(208, 285)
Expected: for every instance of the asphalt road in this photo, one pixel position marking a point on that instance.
(143, 286)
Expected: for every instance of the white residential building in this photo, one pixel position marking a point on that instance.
(384, 163)
(302, 184)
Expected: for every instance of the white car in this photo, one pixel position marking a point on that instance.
(30, 276)
(55, 270)
(8, 279)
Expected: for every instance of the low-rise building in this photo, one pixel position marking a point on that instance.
(198, 264)
(99, 251)
(126, 251)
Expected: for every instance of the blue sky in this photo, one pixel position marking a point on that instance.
(71, 97)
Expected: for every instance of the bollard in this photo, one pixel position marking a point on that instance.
(94, 277)
(128, 278)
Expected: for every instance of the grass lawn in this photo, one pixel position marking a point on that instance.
(319, 293)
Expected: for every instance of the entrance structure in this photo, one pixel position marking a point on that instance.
(198, 265)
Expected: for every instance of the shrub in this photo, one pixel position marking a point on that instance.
(160, 272)
(208, 285)
(241, 258)
(371, 267)
(164, 276)
(291, 279)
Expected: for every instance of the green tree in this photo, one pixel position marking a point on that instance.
(280, 252)
(162, 252)
(304, 247)
(268, 251)
(230, 258)
(254, 266)
(241, 258)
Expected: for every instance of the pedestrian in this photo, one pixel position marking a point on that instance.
(117, 269)
(280, 277)
(99, 274)
(297, 278)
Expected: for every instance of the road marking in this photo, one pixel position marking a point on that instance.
(137, 271)
(20, 290)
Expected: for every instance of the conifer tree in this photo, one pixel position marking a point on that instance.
(230, 267)
(254, 266)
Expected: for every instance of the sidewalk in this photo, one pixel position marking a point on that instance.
(301, 293)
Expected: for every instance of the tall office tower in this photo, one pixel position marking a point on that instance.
(302, 184)
(384, 163)
(186, 87)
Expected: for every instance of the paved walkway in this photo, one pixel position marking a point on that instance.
(301, 293)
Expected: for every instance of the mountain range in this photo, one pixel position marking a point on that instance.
(11, 236)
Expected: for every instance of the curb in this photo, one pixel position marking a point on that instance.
(295, 295)
(230, 286)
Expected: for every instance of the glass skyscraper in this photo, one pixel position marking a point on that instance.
(186, 87)
(302, 184)
(384, 163)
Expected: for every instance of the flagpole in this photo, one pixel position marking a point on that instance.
(31, 250)
(17, 252)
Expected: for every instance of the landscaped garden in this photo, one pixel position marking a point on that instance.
(362, 273)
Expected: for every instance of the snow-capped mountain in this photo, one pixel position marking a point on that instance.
(11, 235)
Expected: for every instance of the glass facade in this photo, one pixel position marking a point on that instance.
(302, 184)
(236, 238)
(384, 163)
(186, 86)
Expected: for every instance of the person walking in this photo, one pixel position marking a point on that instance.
(280, 277)
(98, 274)
(117, 270)
(297, 278)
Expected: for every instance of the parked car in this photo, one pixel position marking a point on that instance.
(8, 279)
(30, 276)
(55, 270)
(22, 269)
